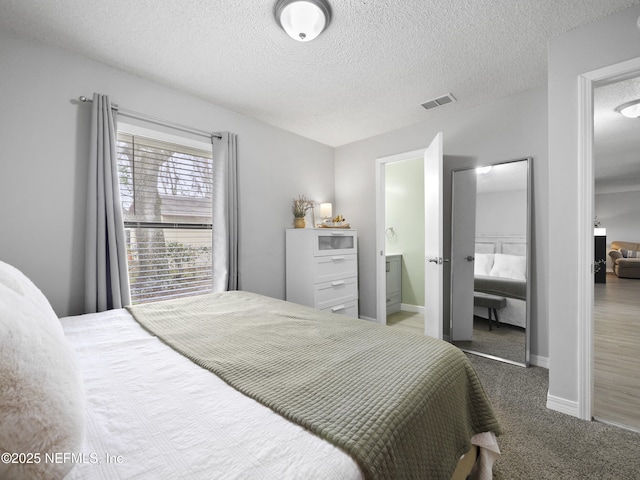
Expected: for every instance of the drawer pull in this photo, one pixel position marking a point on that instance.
(337, 259)
(337, 283)
(337, 234)
(337, 308)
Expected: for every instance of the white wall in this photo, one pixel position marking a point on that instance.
(510, 128)
(511, 207)
(43, 166)
(609, 41)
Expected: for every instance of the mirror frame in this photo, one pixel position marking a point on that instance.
(529, 164)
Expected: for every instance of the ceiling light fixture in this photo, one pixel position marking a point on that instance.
(630, 109)
(303, 20)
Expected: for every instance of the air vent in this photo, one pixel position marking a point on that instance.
(436, 102)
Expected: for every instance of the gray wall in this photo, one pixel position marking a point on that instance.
(510, 206)
(509, 128)
(618, 212)
(43, 165)
(607, 42)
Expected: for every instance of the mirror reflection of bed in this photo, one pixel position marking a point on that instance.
(489, 261)
(499, 312)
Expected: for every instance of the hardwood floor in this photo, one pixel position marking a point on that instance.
(407, 321)
(617, 352)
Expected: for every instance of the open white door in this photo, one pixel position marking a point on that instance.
(463, 234)
(433, 311)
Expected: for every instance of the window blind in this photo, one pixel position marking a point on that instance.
(166, 196)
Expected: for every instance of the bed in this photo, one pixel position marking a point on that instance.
(500, 268)
(133, 394)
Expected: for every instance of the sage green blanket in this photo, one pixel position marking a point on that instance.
(402, 405)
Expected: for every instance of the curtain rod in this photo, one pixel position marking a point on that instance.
(157, 121)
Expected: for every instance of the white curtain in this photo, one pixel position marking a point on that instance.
(225, 213)
(106, 277)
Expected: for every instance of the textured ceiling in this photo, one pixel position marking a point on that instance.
(365, 75)
(616, 146)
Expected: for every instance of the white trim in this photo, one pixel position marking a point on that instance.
(381, 305)
(586, 84)
(368, 319)
(562, 405)
(538, 361)
(585, 247)
(407, 307)
(134, 129)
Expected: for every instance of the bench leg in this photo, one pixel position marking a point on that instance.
(493, 314)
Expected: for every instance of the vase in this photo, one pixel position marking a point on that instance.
(299, 222)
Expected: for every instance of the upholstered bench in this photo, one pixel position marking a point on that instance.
(491, 302)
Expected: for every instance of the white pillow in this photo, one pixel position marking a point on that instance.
(42, 398)
(509, 266)
(482, 264)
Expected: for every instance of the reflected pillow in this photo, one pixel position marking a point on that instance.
(509, 266)
(482, 264)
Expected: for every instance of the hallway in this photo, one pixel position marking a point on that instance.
(617, 352)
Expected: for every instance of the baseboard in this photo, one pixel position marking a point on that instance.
(539, 361)
(368, 319)
(562, 405)
(412, 308)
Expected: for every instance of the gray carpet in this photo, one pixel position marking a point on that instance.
(505, 341)
(541, 444)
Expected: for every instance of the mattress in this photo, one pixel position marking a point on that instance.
(147, 418)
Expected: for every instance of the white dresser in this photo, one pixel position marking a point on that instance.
(322, 269)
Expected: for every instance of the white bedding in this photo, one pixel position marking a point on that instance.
(147, 419)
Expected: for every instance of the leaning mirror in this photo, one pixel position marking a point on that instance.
(490, 260)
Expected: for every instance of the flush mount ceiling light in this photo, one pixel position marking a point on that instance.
(630, 109)
(303, 20)
(483, 170)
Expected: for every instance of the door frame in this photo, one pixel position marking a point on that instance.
(587, 82)
(381, 286)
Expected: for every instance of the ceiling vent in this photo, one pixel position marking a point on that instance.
(436, 102)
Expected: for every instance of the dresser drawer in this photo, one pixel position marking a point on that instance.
(329, 294)
(330, 241)
(335, 267)
(350, 309)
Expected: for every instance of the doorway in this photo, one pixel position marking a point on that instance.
(385, 231)
(616, 313)
(404, 242)
(432, 254)
(585, 334)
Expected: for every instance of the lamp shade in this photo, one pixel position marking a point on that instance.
(326, 210)
(303, 20)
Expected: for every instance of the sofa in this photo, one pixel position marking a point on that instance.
(625, 257)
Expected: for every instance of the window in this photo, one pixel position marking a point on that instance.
(166, 195)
